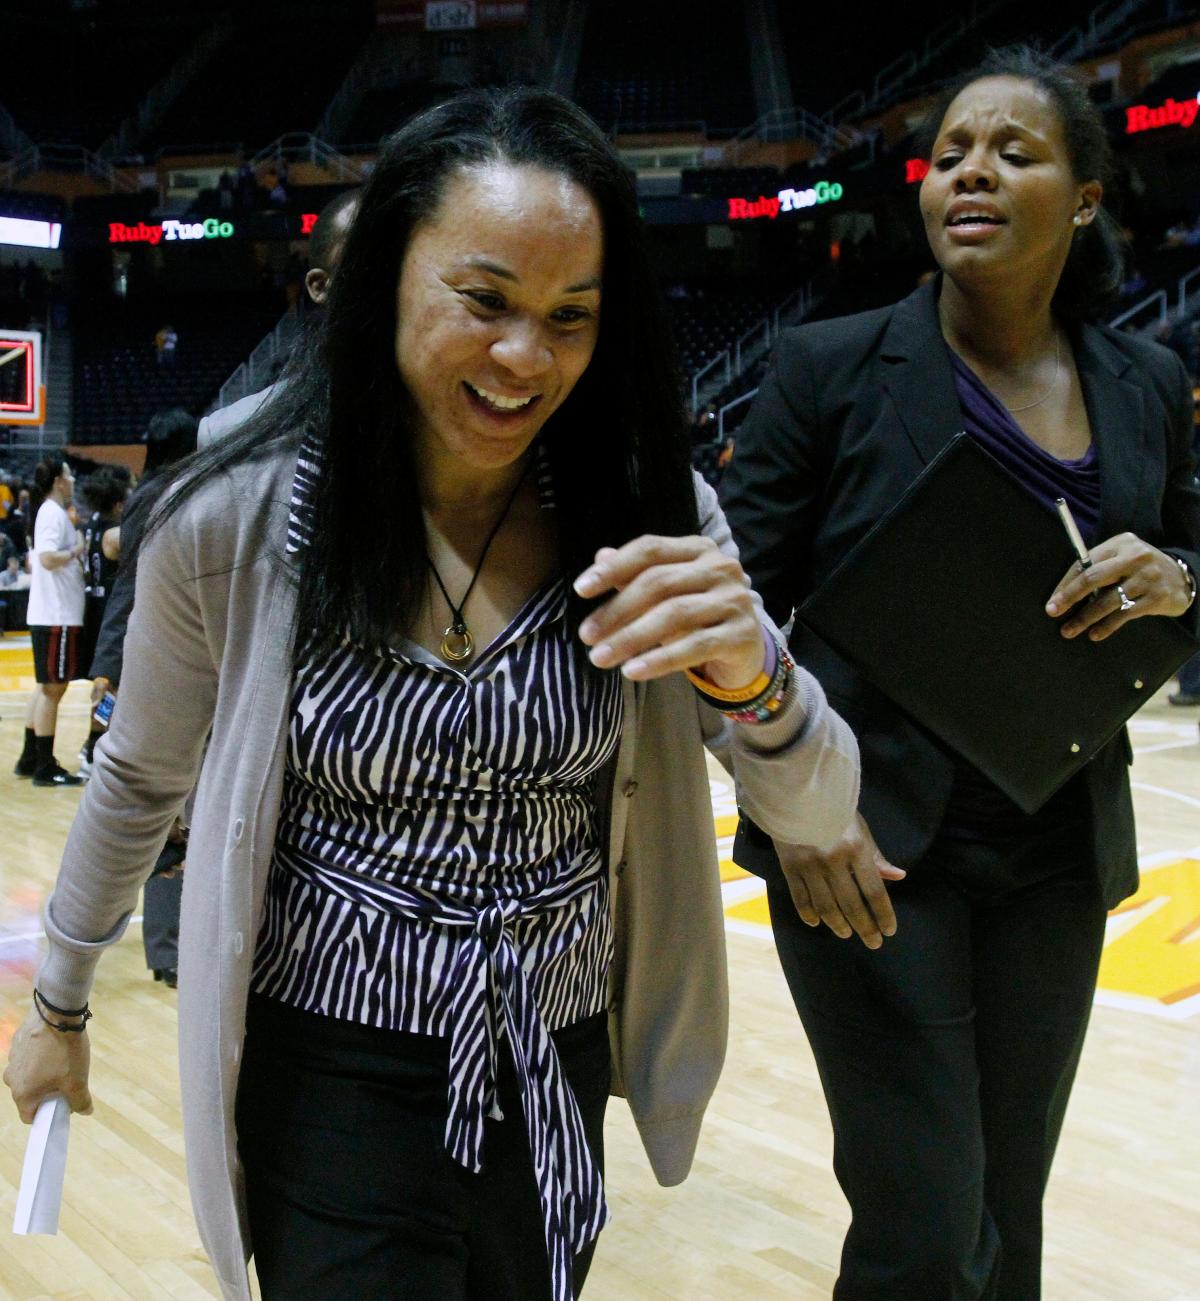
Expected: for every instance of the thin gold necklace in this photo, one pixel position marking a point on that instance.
(1053, 382)
(458, 645)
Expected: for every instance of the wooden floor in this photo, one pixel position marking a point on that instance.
(761, 1218)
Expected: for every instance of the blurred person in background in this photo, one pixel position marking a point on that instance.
(104, 494)
(55, 615)
(326, 242)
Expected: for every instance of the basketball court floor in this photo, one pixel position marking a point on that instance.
(761, 1217)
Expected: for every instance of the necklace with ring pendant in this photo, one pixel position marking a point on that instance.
(458, 645)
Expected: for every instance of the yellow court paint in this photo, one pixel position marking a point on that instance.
(1154, 954)
(1158, 955)
(751, 910)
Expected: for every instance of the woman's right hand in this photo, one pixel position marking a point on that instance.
(43, 1062)
(844, 888)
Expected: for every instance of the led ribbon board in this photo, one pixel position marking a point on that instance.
(784, 201)
(30, 234)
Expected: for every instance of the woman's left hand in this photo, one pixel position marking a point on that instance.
(679, 603)
(1150, 579)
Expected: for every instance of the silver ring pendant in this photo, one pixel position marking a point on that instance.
(1126, 603)
(457, 644)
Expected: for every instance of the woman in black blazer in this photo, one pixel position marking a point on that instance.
(947, 1041)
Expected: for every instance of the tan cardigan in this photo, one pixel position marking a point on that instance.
(208, 658)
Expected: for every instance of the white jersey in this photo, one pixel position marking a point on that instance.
(55, 595)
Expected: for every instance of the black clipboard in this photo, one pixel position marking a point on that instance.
(942, 607)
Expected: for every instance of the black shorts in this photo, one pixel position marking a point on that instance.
(56, 655)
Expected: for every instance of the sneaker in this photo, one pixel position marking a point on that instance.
(1184, 698)
(25, 767)
(56, 776)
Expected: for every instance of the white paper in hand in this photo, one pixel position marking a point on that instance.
(40, 1196)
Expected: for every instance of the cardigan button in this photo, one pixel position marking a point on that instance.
(238, 943)
(628, 789)
(238, 827)
(621, 866)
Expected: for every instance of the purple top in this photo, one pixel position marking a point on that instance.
(990, 423)
(978, 810)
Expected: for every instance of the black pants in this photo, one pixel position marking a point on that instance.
(161, 896)
(947, 1058)
(351, 1192)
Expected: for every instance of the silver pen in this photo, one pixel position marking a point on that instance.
(1068, 522)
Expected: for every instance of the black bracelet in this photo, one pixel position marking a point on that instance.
(40, 1001)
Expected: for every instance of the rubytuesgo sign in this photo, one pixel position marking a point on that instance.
(170, 231)
(1174, 112)
(784, 201)
(156, 233)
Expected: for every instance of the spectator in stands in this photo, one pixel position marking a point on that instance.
(7, 497)
(948, 1045)
(166, 341)
(247, 188)
(13, 575)
(431, 772)
(324, 254)
(55, 620)
(17, 523)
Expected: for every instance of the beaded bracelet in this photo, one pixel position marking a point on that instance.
(763, 711)
(759, 707)
(40, 1001)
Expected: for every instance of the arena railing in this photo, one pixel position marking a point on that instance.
(1181, 290)
(790, 124)
(740, 354)
(1157, 300)
(892, 78)
(262, 366)
(1102, 24)
(733, 406)
(57, 157)
(303, 146)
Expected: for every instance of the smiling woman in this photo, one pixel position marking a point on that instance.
(431, 619)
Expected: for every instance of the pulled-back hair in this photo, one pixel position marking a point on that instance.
(1094, 268)
(617, 446)
(44, 474)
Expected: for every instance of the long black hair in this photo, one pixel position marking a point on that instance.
(617, 446)
(1094, 268)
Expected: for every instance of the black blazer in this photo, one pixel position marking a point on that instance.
(848, 416)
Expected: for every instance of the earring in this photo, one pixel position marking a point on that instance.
(1078, 220)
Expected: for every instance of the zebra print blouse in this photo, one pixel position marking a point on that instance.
(437, 869)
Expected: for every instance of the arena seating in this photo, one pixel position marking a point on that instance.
(95, 71)
(706, 322)
(270, 77)
(118, 381)
(383, 110)
(632, 79)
